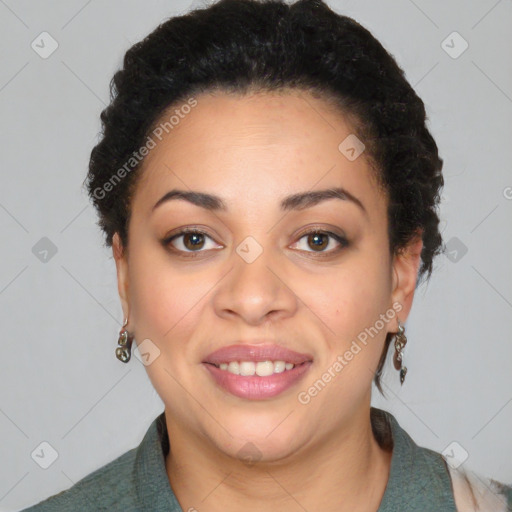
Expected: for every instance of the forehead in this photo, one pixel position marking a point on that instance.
(256, 148)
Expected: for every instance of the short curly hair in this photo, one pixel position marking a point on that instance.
(241, 45)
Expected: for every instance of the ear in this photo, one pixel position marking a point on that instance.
(120, 257)
(405, 274)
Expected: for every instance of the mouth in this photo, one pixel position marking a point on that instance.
(256, 372)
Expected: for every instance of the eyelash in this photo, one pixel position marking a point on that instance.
(192, 254)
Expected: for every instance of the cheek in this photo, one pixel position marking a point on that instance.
(165, 308)
(350, 303)
(162, 300)
(352, 297)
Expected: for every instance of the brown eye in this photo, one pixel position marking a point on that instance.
(192, 241)
(320, 240)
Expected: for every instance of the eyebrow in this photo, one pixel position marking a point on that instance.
(299, 201)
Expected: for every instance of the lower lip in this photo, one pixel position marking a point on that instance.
(255, 387)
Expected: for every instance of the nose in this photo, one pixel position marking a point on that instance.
(257, 287)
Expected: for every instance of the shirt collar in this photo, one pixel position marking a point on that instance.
(152, 484)
(418, 477)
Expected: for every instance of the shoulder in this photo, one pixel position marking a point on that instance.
(108, 488)
(474, 492)
(421, 477)
(418, 478)
(470, 490)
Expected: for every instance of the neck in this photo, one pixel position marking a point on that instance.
(347, 471)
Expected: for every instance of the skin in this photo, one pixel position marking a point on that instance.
(253, 150)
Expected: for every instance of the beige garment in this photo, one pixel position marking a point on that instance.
(474, 493)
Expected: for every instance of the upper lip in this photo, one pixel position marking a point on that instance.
(245, 352)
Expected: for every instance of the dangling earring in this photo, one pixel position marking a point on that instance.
(123, 351)
(400, 342)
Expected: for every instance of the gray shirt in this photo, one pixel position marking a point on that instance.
(137, 481)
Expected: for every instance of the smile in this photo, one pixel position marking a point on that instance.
(249, 385)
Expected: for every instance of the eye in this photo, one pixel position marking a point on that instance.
(320, 240)
(193, 240)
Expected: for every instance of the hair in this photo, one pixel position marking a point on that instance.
(239, 46)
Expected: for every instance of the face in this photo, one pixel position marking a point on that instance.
(286, 279)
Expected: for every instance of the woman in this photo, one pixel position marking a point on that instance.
(269, 189)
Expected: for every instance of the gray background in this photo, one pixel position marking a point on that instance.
(60, 380)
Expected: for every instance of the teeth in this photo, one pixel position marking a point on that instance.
(279, 366)
(247, 368)
(264, 368)
(233, 367)
(260, 368)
